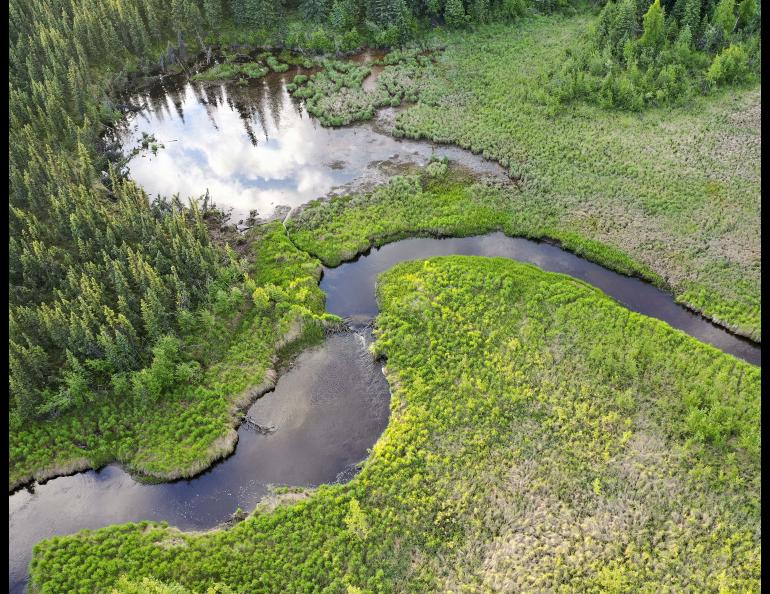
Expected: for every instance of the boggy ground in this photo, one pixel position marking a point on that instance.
(677, 190)
(542, 438)
(443, 199)
(672, 196)
(278, 311)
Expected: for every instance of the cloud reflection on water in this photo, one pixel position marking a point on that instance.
(253, 149)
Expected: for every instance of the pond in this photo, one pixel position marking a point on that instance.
(255, 148)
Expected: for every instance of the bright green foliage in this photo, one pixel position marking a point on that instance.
(677, 190)
(100, 279)
(730, 66)
(654, 25)
(356, 520)
(233, 71)
(343, 227)
(176, 416)
(148, 585)
(724, 18)
(540, 435)
(748, 11)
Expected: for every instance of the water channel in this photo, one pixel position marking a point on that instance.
(255, 148)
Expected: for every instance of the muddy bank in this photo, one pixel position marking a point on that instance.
(256, 150)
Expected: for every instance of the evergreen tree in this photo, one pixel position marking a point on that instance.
(748, 10)
(724, 17)
(214, 13)
(481, 13)
(433, 8)
(454, 13)
(692, 16)
(342, 16)
(315, 10)
(654, 27)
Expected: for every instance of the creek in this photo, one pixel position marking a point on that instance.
(255, 148)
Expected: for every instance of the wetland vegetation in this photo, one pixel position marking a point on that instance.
(534, 425)
(535, 422)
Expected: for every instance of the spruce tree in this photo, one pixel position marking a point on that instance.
(724, 17)
(454, 13)
(214, 13)
(654, 27)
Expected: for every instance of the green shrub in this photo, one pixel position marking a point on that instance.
(275, 65)
(729, 67)
(320, 41)
(454, 14)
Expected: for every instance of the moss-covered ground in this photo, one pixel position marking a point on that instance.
(542, 438)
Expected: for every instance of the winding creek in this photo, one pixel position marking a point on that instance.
(333, 404)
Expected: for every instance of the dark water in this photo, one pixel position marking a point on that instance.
(326, 412)
(350, 288)
(254, 147)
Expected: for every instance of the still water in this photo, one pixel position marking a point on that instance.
(324, 413)
(350, 288)
(255, 148)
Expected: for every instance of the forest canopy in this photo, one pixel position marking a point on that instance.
(99, 274)
(104, 282)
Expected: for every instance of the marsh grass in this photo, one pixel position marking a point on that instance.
(440, 200)
(676, 189)
(541, 436)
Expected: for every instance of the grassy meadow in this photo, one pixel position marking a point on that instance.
(676, 189)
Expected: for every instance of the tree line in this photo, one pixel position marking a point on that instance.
(641, 53)
(98, 273)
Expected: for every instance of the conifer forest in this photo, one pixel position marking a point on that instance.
(379, 296)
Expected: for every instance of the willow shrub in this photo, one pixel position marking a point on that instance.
(540, 435)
